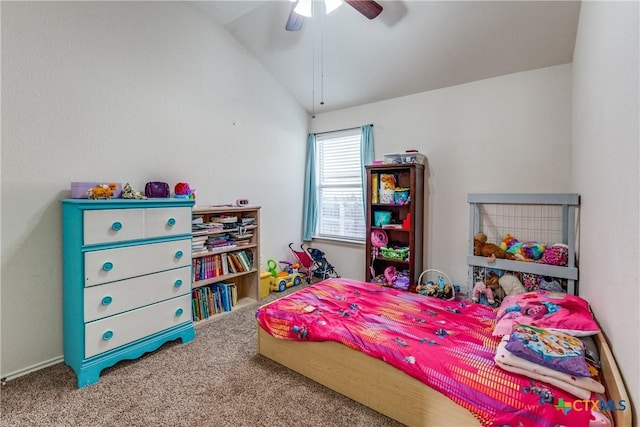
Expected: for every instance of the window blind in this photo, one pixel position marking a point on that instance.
(339, 185)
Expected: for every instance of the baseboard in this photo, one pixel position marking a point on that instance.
(32, 368)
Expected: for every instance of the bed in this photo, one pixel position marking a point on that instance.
(343, 366)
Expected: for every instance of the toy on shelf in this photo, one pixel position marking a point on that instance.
(481, 289)
(522, 251)
(184, 191)
(128, 193)
(489, 250)
(102, 191)
(395, 279)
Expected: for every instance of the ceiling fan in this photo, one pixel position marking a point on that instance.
(302, 8)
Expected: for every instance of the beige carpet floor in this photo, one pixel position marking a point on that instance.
(216, 380)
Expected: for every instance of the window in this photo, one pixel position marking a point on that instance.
(339, 185)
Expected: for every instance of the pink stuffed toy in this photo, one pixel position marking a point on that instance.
(481, 288)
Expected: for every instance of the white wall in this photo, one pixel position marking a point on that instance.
(128, 92)
(505, 134)
(606, 158)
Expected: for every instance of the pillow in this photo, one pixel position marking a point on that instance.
(554, 350)
(560, 312)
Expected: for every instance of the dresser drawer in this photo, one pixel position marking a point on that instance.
(115, 331)
(167, 222)
(124, 295)
(113, 225)
(109, 265)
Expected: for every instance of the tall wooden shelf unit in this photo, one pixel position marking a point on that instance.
(411, 176)
(536, 216)
(247, 282)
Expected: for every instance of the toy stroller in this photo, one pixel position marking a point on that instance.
(322, 268)
(313, 263)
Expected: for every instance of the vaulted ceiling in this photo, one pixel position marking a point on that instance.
(344, 59)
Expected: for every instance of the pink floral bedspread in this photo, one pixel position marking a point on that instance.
(445, 344)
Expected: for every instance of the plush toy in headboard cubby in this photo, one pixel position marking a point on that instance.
(489, 250)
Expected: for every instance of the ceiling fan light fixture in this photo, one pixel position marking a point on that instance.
(331, 5)
(303, 8)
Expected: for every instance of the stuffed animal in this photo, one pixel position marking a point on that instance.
(481, 288)
(511, 284)
(556, 254)
(489, 250)
(128, 193)
(102, 191)
(522, 251)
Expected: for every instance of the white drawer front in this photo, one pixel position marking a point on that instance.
(117, 297)
(115, 331)
(167, 222)
(113, 225)
(122, 263)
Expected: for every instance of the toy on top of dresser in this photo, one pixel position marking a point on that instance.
(129, 193)
(102, 191)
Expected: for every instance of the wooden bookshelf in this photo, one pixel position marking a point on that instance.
(231, 255)
(409, 176)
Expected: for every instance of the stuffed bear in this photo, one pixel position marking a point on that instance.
(490, 250)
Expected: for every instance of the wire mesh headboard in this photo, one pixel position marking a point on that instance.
(544, 218)
(541, 223)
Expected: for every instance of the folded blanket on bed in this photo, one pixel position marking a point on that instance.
(580, 387)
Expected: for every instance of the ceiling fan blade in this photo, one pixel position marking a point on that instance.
(368, 8)
(294, 21)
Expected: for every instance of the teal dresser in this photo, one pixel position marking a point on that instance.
(126, 280)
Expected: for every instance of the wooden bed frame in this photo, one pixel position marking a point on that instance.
(388, 390)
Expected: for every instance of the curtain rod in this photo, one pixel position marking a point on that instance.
(340, 130)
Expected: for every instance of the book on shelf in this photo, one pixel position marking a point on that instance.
(225, 295)
(225, 263)
(208, 266)
(208, 301)
(230, 265)
(234, 294)
(374, 188)
(237, 265)
(246, 264)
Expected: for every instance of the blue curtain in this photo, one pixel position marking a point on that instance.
(310, 213)
(367, 154)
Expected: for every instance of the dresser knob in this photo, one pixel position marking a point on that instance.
(107, 300)
(179, 312)
(178, 283)
(179, 254)
(107, 335)
(171, 222)
(107, 266)
(116, 226)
